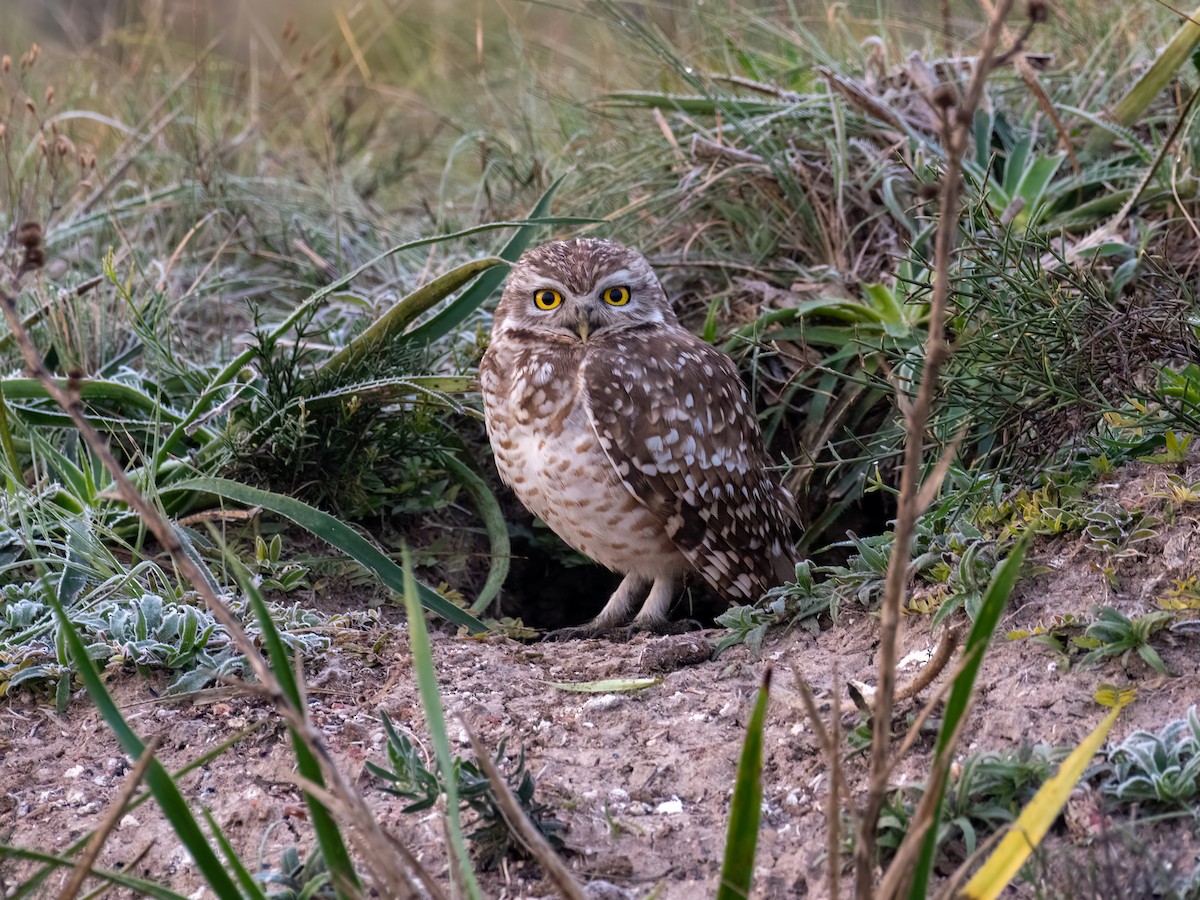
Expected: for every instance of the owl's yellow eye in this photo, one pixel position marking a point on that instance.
(547, 298)
(617, 296)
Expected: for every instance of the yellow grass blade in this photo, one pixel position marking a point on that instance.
(1037, 817)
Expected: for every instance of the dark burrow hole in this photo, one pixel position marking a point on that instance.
(550, 587)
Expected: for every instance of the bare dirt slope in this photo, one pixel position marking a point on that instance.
(642, 780)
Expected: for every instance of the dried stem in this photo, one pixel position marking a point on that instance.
(831, 742)
(68, 398)
(956, 115)
(116, 810)
(531, 838)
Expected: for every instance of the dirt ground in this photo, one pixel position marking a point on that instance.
(641, 780)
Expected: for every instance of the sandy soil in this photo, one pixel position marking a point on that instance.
(641, 780)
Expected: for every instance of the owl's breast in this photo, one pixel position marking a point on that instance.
(547, 451)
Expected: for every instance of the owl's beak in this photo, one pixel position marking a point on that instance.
(582, 325)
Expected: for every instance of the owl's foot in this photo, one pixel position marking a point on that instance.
(620, 634)
(623, 634)
(652, 618)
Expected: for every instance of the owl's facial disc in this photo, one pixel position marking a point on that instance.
(601, 307)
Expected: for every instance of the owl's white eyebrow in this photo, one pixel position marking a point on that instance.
(621, 276)
(552, 284)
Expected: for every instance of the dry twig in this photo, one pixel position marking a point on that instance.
(116, 809)
(956, 114)
(380, 853)
(531, 838)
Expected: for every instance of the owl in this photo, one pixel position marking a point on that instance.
(633, 439)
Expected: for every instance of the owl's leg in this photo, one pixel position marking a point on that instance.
(654, 611)
(616, 610)
(612, 617)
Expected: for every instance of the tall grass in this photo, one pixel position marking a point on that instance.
(255, 255)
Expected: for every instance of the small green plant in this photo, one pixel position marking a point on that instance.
(297, 879)
(985, 792)
(277, 575)
(407, 776)
(493, 838)
(1117, 532)
(1115, 634)
(799, 603)
(1018, 194)
(1175, 448)
(1161, 769)
(1183, 594)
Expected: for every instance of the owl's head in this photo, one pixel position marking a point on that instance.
(581, 289)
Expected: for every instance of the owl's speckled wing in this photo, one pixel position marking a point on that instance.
(674, 420)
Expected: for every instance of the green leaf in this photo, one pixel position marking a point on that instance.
(335, 533)
(1128, 111)
(605, 686)
(94, 390)
(1037, 816)
(431, 701)
(1153, 660)
(329, 837)
(389, 328)
(693, 105)
(493, 521)
(470, 299)
(245, 879)
(1014, 166)
(958, 704)
(139, 886)
(745, 809)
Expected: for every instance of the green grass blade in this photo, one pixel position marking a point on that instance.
(432, 389)
(329, 837)
(97, 390)
(493, 521)
(745, 810)
(957, 705)
(313, 301)
(694, 105)
(245, 879)
(431, 701)
(30, 886)
(389, 328)
(470, 299)
(1038, 816)
(165, 791)
(335, 533)
(140, 887)
(1128, 110)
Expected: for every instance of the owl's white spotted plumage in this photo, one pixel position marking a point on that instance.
(634, 440)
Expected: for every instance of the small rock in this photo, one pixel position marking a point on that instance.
(606, 890)
(677, 651)
(603, 702)
(669, 807)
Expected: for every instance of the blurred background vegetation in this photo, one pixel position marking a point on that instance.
(201, 172)
(262, 240)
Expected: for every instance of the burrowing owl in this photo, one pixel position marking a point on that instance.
(628, 435)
